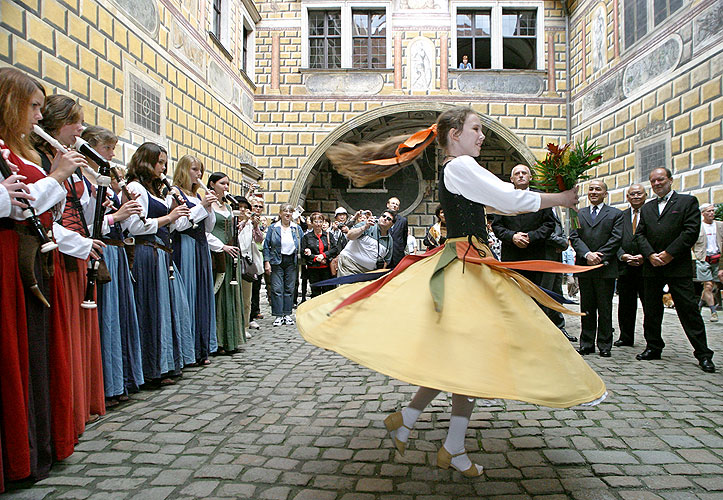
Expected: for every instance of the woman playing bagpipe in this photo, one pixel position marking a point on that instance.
(223, 242)
(453, 319)
(163, 316)
(63, 121)
(119, 334)
(36, 422)
(191, 255)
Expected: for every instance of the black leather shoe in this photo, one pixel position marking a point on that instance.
(585, 350)
(621, 343)
(568, 336)
(605, 353)
(647, 355)
(706, 364)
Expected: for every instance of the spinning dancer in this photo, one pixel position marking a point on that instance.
(463, 322)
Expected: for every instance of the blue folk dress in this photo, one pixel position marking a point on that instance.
(192, 259)
(163, 313)
(119, 334)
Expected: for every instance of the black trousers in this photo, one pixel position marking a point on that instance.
(319, 274)
(686, 304)
(596, 300)
(553, 282)
(630, 288)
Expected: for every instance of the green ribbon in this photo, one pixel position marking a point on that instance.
(436, 282)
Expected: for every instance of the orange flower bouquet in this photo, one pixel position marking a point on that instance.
(565, 166)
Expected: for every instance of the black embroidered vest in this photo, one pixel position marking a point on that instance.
(464, 217)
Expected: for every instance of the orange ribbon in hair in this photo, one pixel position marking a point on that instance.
(410, 148)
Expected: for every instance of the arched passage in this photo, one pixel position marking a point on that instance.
(395, 119)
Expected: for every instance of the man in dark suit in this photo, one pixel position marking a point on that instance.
(524, 236)
(596, 241)
(630, 268)
(398, 232)
(557, 242)
(668, 228)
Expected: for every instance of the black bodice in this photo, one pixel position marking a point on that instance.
(464, 217)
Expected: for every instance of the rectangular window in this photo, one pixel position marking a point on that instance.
(663, 8)
(324, 39)
(652, 156)
(519, 39)
(369, 39)
(639, 14)
(144, 105)
(474, 39)
(216, 16)
(244, 48)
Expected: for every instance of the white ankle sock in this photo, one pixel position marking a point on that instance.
(409, 416)
(455, 442)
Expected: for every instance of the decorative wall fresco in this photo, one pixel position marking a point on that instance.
(142, 12)
(345, 83)
(708, 27)
(187, 48)
(499, 83)
(598, 38)
(421, 64)
(652, 65)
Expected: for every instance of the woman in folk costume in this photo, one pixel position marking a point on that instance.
(223, 242)
(119, 334)
(192, 256)
(36, 419)
(454, 303)
(63, 120)
(163, 317)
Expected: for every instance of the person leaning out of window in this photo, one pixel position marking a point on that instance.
(282, 246)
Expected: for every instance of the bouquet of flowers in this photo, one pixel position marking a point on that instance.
(565, 166)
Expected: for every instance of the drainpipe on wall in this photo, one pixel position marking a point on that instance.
(568, 103)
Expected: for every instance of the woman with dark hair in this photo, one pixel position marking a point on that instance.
(462, 322)
(318, 249)
(192, 257)
(36, 420)
(163, 317)
(223, 242)
(63, 119)
(119, 334)
(436, 234)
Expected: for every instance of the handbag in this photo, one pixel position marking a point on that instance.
(713, 259)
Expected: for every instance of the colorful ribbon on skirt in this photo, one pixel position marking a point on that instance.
(478, 254)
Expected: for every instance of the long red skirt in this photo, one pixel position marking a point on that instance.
(86, 361)
(13, 364)
(61, 388)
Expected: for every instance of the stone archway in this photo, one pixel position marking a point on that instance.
(513, 144)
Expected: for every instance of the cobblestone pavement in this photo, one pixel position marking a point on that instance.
(285, 420)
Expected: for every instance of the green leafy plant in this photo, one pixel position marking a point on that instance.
(719, 211)
(565, 166)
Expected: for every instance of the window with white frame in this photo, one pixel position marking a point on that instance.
(474, 38)
(325, 39)
(346, 35)
(219, 29)
(369, 38)
(641, 16)
(498, 35)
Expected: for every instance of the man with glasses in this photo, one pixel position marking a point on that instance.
(370, 246)
(630, 268)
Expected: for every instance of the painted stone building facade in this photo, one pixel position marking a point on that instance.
(266, 87)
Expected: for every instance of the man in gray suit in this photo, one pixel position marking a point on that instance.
(596, 241)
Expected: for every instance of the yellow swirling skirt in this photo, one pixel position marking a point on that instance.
(491, 340)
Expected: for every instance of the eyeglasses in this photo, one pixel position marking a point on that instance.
(385, 217)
